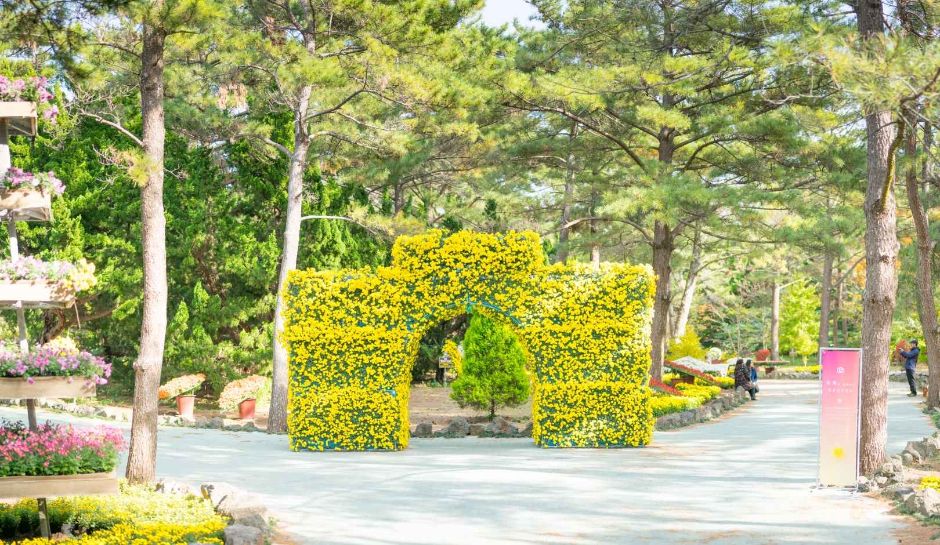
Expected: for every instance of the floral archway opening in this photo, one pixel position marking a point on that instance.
(354, 334)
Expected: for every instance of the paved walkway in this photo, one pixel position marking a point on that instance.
(745, 479)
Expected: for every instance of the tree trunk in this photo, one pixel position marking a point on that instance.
(595, 245)
(881, 252)
(825, 300)
(142, 455)
(688, 293)
(775, 322)
(663, 246)
(837, 313)
(564, 231)
(927, 309)
(277, 414)
(398, 197)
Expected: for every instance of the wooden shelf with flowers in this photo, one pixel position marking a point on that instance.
(51, 372)
(27, 196)
(27, 282)
(57, 460)
(47, 460)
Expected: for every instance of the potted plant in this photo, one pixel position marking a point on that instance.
(184, 390)
(56, 460)
(244, 394)
(51, 371)
(37, 283)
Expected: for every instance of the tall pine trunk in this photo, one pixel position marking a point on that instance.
(564, 230)
(688, 292)
(775, 321)
(277, 414)
(881, 252)
(927, 309)
(825, 300)
(142, 456)
(663, 247)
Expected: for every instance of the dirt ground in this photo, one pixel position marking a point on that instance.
(434, 405)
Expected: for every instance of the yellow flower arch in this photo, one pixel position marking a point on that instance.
(353, 337)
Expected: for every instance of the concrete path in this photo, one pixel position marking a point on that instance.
(745, 479)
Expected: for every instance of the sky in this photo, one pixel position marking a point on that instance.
(498, 12)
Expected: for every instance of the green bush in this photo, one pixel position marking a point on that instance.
(493, 367)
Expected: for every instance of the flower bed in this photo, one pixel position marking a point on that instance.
(136, 515)
(663, 405)
(57, 450)
(31, 91)
(660, 386)
(49, 361)
(18, 179)
(252, 387)
(704, 393)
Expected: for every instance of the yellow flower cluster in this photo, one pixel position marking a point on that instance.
(701, 391)
(666, 404)
(145, 534)
(456, 357)
(354, 335)
(138, 515)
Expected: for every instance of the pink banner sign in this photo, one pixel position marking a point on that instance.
(839, 416)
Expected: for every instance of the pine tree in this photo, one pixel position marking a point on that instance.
(493, 372)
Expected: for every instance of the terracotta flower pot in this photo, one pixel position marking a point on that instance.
(246, 409)
(184, 406)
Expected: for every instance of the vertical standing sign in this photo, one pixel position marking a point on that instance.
(839, 416)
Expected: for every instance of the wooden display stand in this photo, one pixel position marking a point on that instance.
(21, 117)
(58, 485)
(36, 294)
(27, 205)
(46, 387)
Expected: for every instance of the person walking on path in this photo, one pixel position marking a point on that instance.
(910, 364)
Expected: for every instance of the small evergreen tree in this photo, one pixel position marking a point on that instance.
(688, 344)
(493, 371)
(799, 320)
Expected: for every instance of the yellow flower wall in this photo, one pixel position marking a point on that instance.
(353, 337)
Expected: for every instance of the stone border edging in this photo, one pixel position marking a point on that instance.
(783, 375)
(724, 403)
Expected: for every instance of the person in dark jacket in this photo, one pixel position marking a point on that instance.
(910, 364)
(742, 378)
(752, 374)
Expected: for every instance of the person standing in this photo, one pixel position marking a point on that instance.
(752, 374)
(910, 364)
(742, 378)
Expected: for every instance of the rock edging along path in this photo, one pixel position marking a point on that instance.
(725, 403)
(740, 480)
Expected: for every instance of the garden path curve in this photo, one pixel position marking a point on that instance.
(744, 479)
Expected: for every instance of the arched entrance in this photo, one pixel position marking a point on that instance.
(353, 336)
